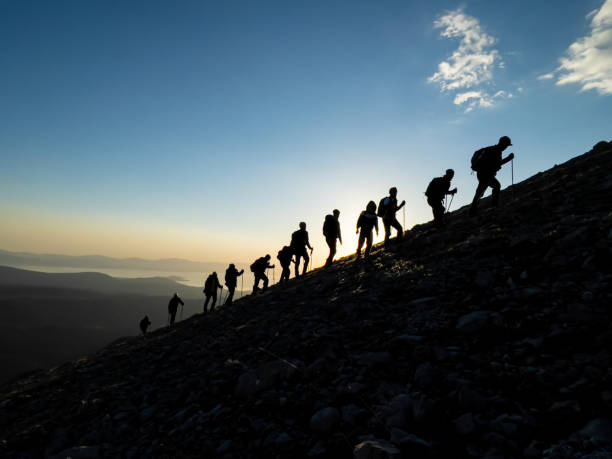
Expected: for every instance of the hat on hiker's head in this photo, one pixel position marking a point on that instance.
(336, 212)
(267, 257)
(392, 190)
(505, 140)
(232, 265)
(450, 172)
(302, 225)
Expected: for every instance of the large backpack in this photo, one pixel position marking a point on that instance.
(383, 206)
(433, 187)
(478, 159)
(329, 226)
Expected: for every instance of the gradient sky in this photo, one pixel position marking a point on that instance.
(208, 130)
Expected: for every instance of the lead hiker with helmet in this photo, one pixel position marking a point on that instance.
(436, 191)
(331, 231)
(173, 307)
(366, 222)
(231, 279)
(258, 268)
(486, 162)
(299, 242)
(285, 255)
(387, 209)
(210, 290)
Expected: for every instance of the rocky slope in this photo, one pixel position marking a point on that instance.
(489, 339)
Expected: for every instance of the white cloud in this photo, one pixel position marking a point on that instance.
(471, 64)
(588, 61)
(547, 76)
(481, 99)
(473, 61)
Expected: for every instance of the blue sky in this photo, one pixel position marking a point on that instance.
(209, 130)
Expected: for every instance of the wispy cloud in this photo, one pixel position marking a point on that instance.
(473, 99)
(471, 64)
(588, 61)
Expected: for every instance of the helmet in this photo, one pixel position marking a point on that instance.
(302, 225)
(505, 140)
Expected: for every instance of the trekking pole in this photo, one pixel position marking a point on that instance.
(404, 217)
(241, 284)
(181, 316)
(450, 203)
(512, 169)
(311, 259)
(274, 275)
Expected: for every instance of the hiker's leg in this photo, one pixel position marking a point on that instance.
(370, 240)
(214, 301)
(395, 224)
(495, 186)
(256, 283)
(297, 264)
(331, 243)
(360, 242)
(230, 295)
(306, 260)
(483, 183)
(387, 225)
(438, 211)
(265, 282)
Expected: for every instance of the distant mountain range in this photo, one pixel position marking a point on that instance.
(97, 282)
(101, 262)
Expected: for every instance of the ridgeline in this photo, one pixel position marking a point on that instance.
(491, 338)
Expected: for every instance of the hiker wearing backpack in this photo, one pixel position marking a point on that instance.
(173, 307)
(367, 221)
(258, 268)
(231, 279)
(486, 162)
(437, 189)
(210, 291)
(331, 231)
(145, 323)
(387, 207)
(285, 255)
(299, 242)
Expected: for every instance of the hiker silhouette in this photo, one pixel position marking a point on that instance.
(331, 231)
(173, 307)
(367, 221)
(210, 291)
(387, 209)
(258, 268)
(285, 256)
(436, 191)
(231, 279)
(299, 242)
(145, 323)
(486, 162)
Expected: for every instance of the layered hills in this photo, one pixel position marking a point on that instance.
(490, 338)
(48, 318)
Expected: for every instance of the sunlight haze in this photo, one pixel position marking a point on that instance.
(208, 131)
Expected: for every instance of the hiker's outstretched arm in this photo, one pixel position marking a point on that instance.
(510, 157)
